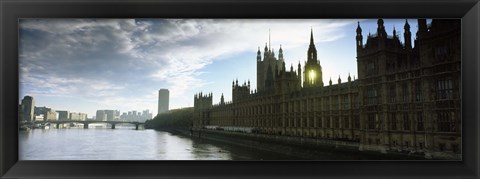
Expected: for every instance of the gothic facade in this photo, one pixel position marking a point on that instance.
(406, 99)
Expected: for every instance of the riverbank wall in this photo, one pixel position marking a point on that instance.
(301, 148)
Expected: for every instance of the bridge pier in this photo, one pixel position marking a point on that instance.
(57, 125)
(113, 126)
(85, 125)
(136, 126)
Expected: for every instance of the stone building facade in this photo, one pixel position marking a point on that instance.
(406, 99)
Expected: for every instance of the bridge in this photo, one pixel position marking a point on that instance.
(86, 123)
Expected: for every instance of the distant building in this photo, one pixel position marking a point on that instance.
(108, 115)
(63, 115)
(50, 116)
(136, 116)
(77, 116)
(163, 100)
(27, 107)
(147, 115)
(47, 113)
(41, 110)
(101, 116)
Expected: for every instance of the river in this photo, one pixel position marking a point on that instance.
(126, 143)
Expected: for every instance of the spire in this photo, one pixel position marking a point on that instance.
(359, 29)
(312, 51)
(269, 42)
(280, 53)
(330, 82)
(349, 78)
(339, 79)
(394, 32)
(291, 68)
(407, 26)
(222, 101)
(311, 36)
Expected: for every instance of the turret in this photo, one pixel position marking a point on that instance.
(280, 53)
(339, 79)
(359, 37)
(349, 78)
(259, 55)
(269, 80)
(222, 100)
(422, 28)
(330, 82)
(407, 35)
(381, 29)
(299, 73)
(265, 52)
(394, 33)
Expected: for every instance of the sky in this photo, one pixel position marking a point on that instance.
(84, 65)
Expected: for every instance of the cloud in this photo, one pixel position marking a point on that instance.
(101, 58)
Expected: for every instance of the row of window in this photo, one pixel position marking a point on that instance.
(446, 121)
(444, 91)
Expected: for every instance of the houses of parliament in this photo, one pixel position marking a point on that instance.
(406, 99)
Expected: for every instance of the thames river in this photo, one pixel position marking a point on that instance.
(126, 143)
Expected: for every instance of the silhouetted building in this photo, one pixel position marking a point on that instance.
(27, 108)
(163, 100)
(406, 99)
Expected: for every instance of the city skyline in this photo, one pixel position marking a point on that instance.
(89, 64)
(31, 112)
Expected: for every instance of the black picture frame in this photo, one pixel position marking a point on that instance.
(11, 10)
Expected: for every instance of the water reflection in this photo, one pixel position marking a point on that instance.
(125, 143)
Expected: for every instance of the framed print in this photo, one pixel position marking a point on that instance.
(217, 88)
